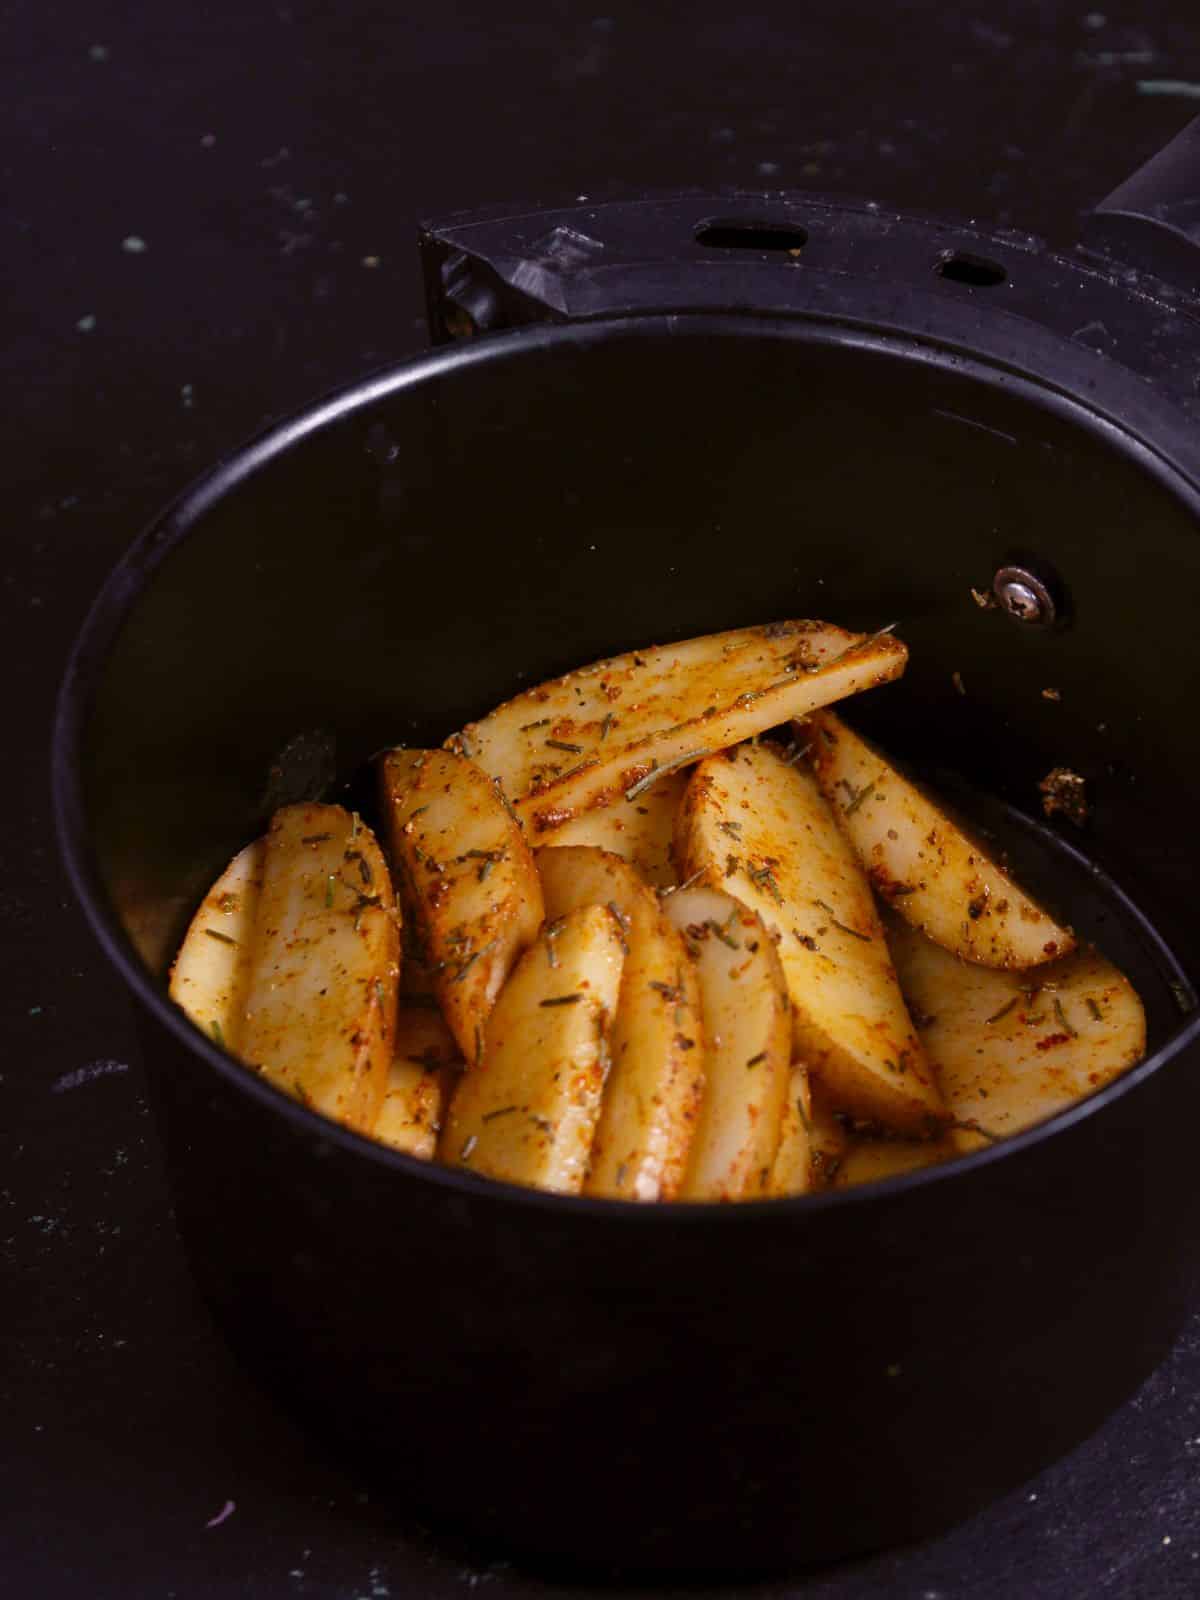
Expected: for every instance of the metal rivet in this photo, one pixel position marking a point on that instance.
(1024, 596)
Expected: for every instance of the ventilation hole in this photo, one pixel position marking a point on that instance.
(751, 236)
(974, 271)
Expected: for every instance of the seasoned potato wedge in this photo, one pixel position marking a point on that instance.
(321, 999)
(747, 1045)
(1013, 1048)
(759, 828)
(923, 863)
(812, 1143)
(648, 1117)
(605, 732)
(640, 829)
(527, 1112)
(466, 877)
(425, 1067)
(868, 1160)
(792, 1172)
(212, 969)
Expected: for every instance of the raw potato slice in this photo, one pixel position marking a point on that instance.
(758, 828)
(212, 969)
(600, 733)
(424, 1069)
(640, 829)
(869, 1160)
(648, 1117)
(321, 1002)
(467, 878)
(528, 1111)
(748, 1046)
(922, 863)
(1013, 1048)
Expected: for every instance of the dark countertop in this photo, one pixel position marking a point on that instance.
(209, 221)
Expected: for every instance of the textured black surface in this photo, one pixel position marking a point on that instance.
(271, 163)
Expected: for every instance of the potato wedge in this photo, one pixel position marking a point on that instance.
(610, 729)
(923, 863)
(827, 1138)
(1013, 1048)
(212, 970)
(425, 1067)
(759, 828)
(466, 877)
(640, 829)
(527, 1112)
(321, 999)
(812, 1141)
(869, 1160)
(648, 1117)
(747, 1045)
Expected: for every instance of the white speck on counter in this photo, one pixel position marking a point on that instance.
(768, 169)
(223, 1515)
(370, 261)
(1166, 1538)
(133, 245)
(1176, 88)
(208, 140)
(98, 52)
(88, 1074)
(86, 323)
(894, 1371)
(186, 396)
(1095, 20)
(341, 198)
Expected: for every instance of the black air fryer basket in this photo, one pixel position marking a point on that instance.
(647, 420)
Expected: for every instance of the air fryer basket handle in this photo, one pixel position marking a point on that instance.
(1152, 220)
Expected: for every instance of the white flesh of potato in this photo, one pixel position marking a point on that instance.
(747, 1045)
(1013, 1048)
(759, 828)
(421, 1078)
(470, 890)
(640, 829)
(321, 1002)
(648, 1118)
(212, 969)
(598, 734)
(923, 864)
(527, 1112)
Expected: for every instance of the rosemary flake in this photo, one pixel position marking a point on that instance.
(656, 772)
(755, 1060)
(503, 1111)
(223, 937)
(862, 794)
(1066, 1026)
(329, 883)
(1003, 1011)
(563, 744)
(562, 999)
(468, 1147)
(542, 722)
(1094, 1009)
(217, 1032)
(315, 838)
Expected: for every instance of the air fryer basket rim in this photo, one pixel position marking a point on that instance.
(120, 594)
